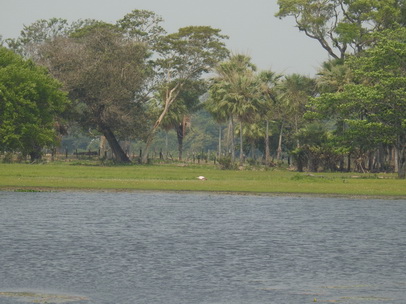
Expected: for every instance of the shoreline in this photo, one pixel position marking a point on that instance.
(240, 193)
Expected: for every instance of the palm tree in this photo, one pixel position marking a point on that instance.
(235, 94)
(220, 116)
(252, 133)
(333, 76)
(295, 92)
(178, 116)
(268, 81)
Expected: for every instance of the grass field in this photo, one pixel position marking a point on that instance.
(88, 176)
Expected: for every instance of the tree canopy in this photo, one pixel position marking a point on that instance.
(343, 26)
(103, 71)
(372, 106)
(184, 56)
(30, 103)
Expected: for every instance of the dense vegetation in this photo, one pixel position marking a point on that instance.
(132, 84)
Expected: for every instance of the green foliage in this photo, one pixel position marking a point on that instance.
(339, 25)
(187, 102)
(30, 101)
(182, 57)
(370, 108)
(142, 26)
(103, 72)
(227, 163)
(191, 51)
(237, 92)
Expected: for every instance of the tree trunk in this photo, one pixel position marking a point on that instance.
(253, 148)
(150, 138)
(231, 139)
(314, 163)
(241, 146)
(166, 142)
(370, 161)
(381, 159)
(402, 168)
(179, 133)
(297, 131)
(114, 145)
(169, 99)
(267, 150)
(396, 159)
(300, 163)
(35, 154)
(279, 151)
(401, 160)
(102, 146)
(219, 147)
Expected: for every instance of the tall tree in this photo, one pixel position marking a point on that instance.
(42, 31)
(30, 103)
(295, 91)
(183, 56)
(333, 76)
(179, 115)
(373, 106)
(342, 25)
(268, 82)
(381, 89)
(235, 91)
(37, 33)
(143, 26)
(103, 71)
(220, 116)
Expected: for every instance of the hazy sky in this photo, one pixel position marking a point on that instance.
(272, 43)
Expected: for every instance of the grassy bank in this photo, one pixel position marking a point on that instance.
(67, 176)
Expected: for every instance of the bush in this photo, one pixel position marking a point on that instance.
(226, 163)
(8, 158)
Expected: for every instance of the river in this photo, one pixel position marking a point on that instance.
(136, 248)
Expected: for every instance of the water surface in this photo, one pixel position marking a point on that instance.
(126, 248)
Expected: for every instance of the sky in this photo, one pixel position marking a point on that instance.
(252, 27)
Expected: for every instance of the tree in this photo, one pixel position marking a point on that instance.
(268, 81)
(317, 148)
(183, 56)
(343, 25)
(43, 31)
(220, 116)
(373, 106)
(381, 90)
(36, 34)
(77, 51)
(236, 93)
(103, 72)
(333, 76)
(179, 115)
(30, 103)
(142, 26)
(295, 92)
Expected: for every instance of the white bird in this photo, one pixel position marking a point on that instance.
(201, 178)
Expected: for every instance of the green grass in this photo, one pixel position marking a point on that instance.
(65, 175)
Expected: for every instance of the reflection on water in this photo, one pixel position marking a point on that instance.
(127, 248)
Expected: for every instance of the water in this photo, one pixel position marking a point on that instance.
(135, 248)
